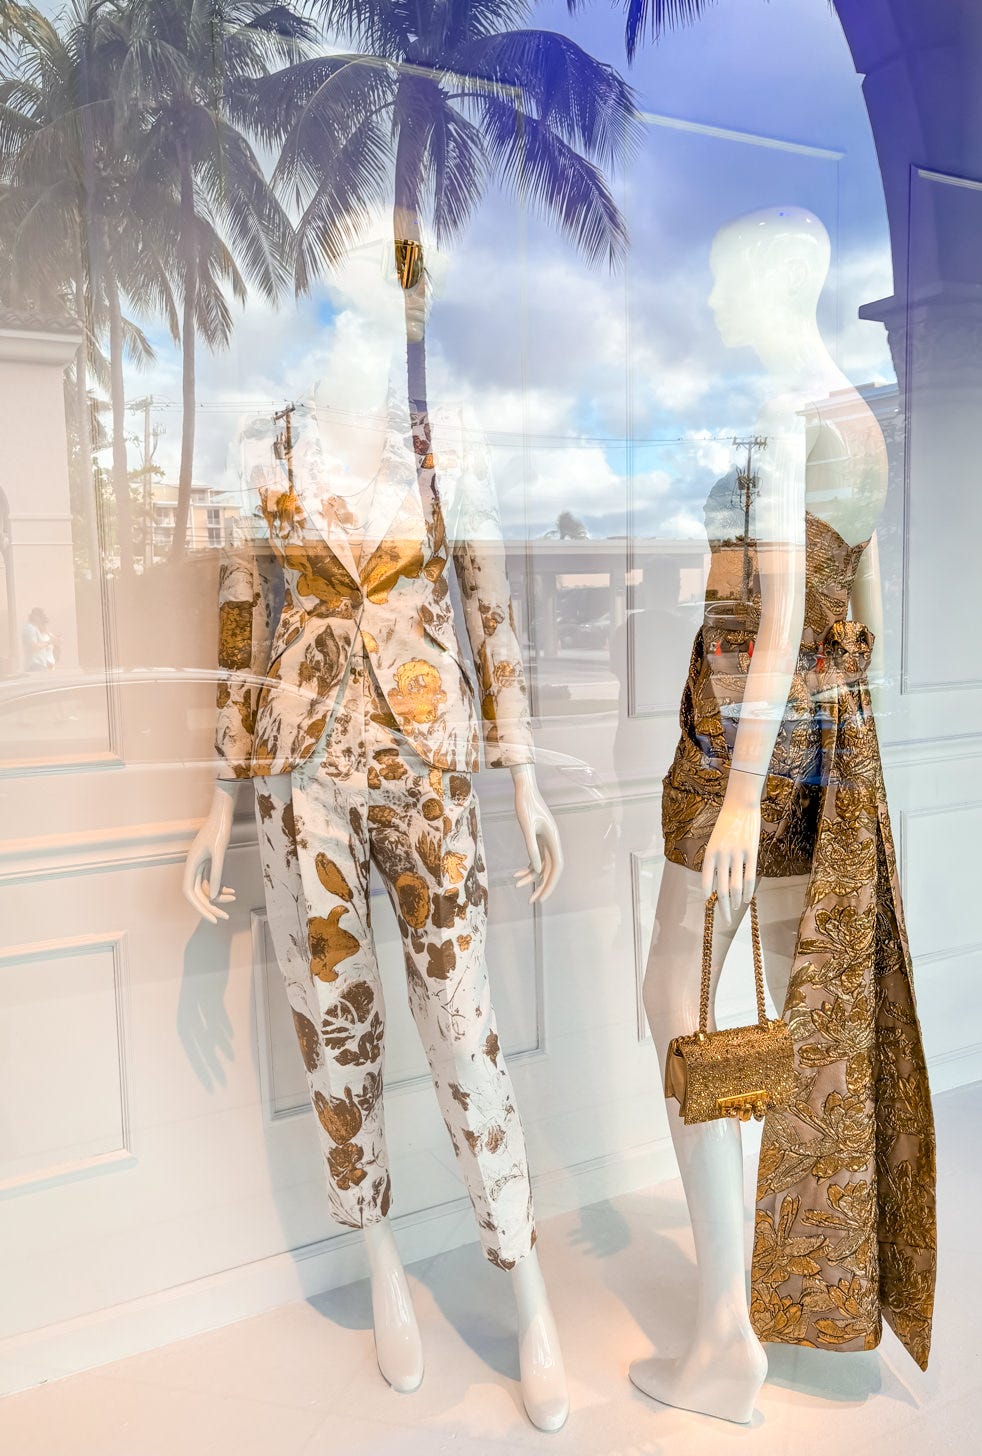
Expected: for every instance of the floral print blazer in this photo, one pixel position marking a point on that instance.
(294, 604)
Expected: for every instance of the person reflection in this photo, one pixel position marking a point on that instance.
(39, 643)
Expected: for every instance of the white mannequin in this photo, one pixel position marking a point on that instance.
(371, 341)
(769, 269)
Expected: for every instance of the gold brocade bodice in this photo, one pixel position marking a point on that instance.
(830, 572)
(712, 700)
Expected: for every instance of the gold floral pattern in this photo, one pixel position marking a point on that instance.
(345, 1163)
(294, 606)
(845, 1231)
(419, 695)
(421, 828)
(235, 635)
(332, 878)
(330, 943)
(352, 1027)
(308, 1040)
(413, 899)
(340, 1117)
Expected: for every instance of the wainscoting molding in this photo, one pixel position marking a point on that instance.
(54, 1174)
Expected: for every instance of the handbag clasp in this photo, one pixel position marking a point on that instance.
(745, 1106)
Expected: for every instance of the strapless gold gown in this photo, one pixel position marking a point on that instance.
(845, 1226)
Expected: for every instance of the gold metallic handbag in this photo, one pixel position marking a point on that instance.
(740, 1071)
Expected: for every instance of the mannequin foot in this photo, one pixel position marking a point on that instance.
(398, 1347)
(540, 1359)
(719, 1376)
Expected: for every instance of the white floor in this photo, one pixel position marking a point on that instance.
(302, 1381)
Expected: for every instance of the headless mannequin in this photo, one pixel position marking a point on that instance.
(769, 269)
(371, 343)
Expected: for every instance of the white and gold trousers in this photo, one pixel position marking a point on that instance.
(365, 797)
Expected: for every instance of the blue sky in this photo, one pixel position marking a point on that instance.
(561, 362)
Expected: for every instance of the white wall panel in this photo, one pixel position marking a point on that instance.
(63, 1104)
(940, 879)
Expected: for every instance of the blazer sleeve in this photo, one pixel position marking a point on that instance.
(479, 559)
(247, 589)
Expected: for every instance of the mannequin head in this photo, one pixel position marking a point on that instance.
(769, 269)
(374, 314)
(367, 284)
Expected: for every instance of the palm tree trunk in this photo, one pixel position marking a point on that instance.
(190, 252)
(405, 224)
(83, 410)
(121, 480)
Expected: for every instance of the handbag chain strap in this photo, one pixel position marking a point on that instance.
(707, 964)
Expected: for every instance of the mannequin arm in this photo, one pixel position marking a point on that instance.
(473, 524)
(867, 607)
(541, 834)
(730, 863)
(731, 854)
(206, 857)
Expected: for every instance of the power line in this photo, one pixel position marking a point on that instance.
(500, 437)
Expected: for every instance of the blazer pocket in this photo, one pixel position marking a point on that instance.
(278, 648)
(455, 657)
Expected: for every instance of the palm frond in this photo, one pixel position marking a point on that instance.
(555, 182)
(136, 345)
(580, 98)
(345, 199)
(458, 164)
(655, 16)
(325, 92)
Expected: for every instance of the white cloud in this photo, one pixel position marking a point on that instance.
(554, 357)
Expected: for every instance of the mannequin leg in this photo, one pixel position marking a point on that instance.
(398, 1347)
(723, 1365)
(540, 1358)
(431, 857)
(339, 1030)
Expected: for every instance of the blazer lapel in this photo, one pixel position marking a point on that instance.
(313, 484)
(403, 480)
(395, 491)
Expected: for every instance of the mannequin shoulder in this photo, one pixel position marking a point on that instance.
(785, 414)
(460, 450)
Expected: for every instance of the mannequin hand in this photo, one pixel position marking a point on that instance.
(207, 856)
(541, 834)
(730, 863)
